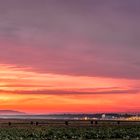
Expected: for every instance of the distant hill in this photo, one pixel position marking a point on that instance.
(11, 112)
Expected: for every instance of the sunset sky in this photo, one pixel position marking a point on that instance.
(70, 56)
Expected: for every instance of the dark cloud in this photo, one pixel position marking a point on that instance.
(73, 92)
(86, 37)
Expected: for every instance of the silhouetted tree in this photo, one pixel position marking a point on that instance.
(37, 123)
(9, 123)
(32, 123)
(66, 123)
(96, 122)
(118, 122)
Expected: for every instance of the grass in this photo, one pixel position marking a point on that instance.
(24, 130)
(69, 133)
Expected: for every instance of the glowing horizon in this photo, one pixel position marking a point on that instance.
(33, 92)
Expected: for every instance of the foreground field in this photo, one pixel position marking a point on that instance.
(69, 133)
(18, 129)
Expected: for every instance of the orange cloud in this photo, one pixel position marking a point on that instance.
(26, 90)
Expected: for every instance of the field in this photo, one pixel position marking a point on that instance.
(68, 130)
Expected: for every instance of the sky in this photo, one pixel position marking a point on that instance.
(70, 56)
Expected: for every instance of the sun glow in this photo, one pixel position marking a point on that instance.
(26, 90)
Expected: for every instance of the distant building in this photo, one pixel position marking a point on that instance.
(134, 118)
(103, 116)
(108, 117)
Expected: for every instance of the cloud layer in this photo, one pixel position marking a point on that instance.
(92, 38)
